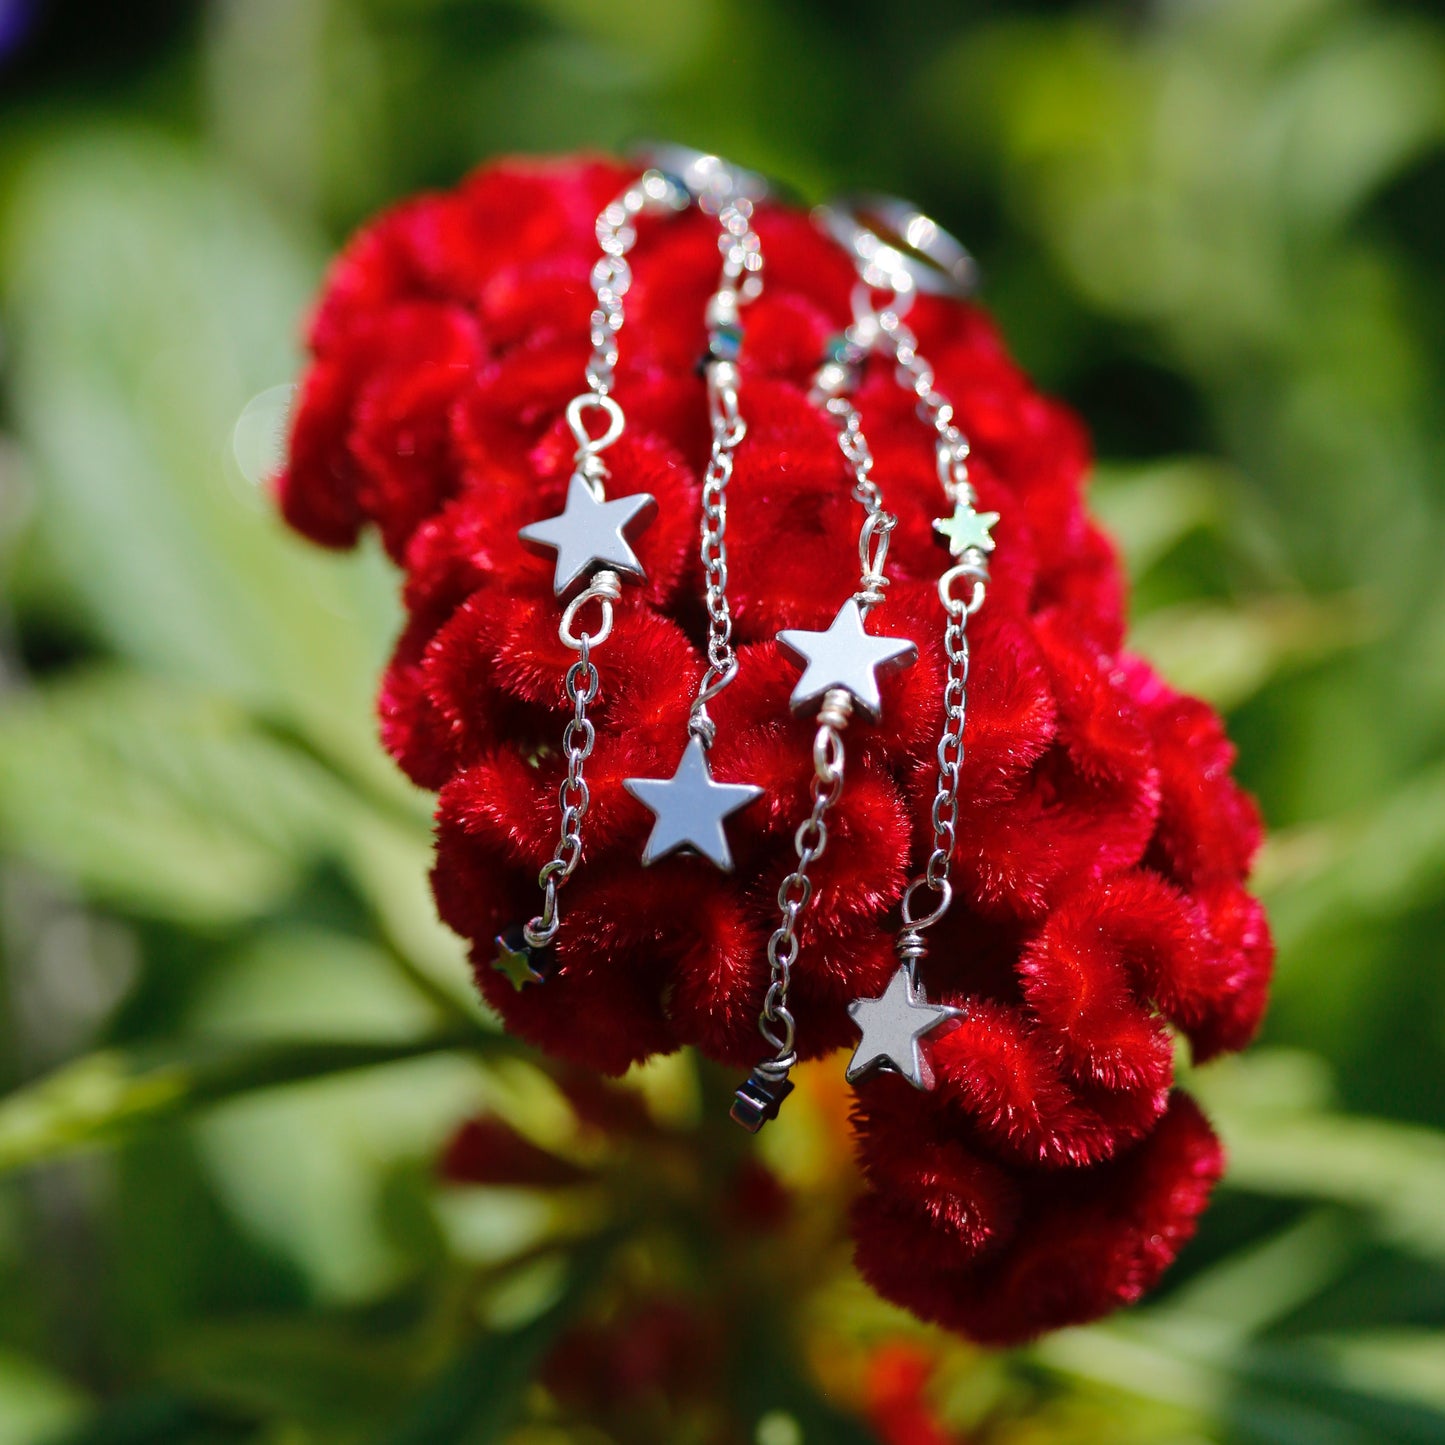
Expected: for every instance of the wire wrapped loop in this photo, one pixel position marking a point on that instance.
(605, 589)
(969, 571)
(587, 444)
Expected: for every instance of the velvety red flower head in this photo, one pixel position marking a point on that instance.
(1100, 910)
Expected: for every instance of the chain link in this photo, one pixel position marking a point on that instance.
(611, 278)
(776, 1023)
(916, 375)
(582, 684)
(741, 282)
(832, 392)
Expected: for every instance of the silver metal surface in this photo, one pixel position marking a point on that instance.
(898, 247)
(845, 656)
(652, 193)
(893, 1027)
(708, 177)
(589, 533)
(689, 808)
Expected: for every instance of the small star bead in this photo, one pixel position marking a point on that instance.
(892, 1025)
(967, 528)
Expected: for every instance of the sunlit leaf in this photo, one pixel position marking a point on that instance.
(35, 1406)
(149, 298)
(1226, 653)
(158, 799)
(102, 1096)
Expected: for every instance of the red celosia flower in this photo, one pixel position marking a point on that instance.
(1102, 845)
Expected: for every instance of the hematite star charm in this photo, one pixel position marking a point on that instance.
(892, 1025)
(588, 533)
(519, 962)
(690, 808)
(966, 528)
(844, 656)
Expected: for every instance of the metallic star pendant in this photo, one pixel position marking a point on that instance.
(519, 962)
(892, 1026)
(690, 808)
(966, 528)
(588, 533)
(845, 656)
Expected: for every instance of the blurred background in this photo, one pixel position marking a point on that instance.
(233, 1042)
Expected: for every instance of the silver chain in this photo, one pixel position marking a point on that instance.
(741, 282)
(611, 280)
(916, 375)
(582, 685)
(952, 449)
(831, 391)
(653, 191)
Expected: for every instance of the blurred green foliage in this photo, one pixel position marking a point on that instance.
(1213, 225)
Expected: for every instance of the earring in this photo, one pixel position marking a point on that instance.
(590, 539)
(894, 1025)
(841, 668)
(690, 808)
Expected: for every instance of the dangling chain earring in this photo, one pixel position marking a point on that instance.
(590, 540)
(894, 1024)
(841, 667)
(689, 807)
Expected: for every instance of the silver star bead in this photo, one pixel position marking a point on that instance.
(892, 1026)
(967, 528)
(689, 808)
(845, 656)
(588, 533)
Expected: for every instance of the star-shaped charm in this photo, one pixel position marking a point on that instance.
(519, 962)
(844, 656)
(589, 533)
(892, 1026)
(690, 808)
(966, 528)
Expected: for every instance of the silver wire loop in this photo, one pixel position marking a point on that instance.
(587, 444)
(605, 588)
(939, 886)
(828, 756)
(966, 571)
(894, 242)
(873, 542)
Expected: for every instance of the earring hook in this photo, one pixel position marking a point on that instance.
(899, 248)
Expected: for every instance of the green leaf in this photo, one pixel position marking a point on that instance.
(103, 1096)
(1270, 1393)
(481, 1393)
(159, 800)
(1150, 510)
(34, 1404)
(313, 1372)
(1226, 653)
(1295, 1148)
(149, 298)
